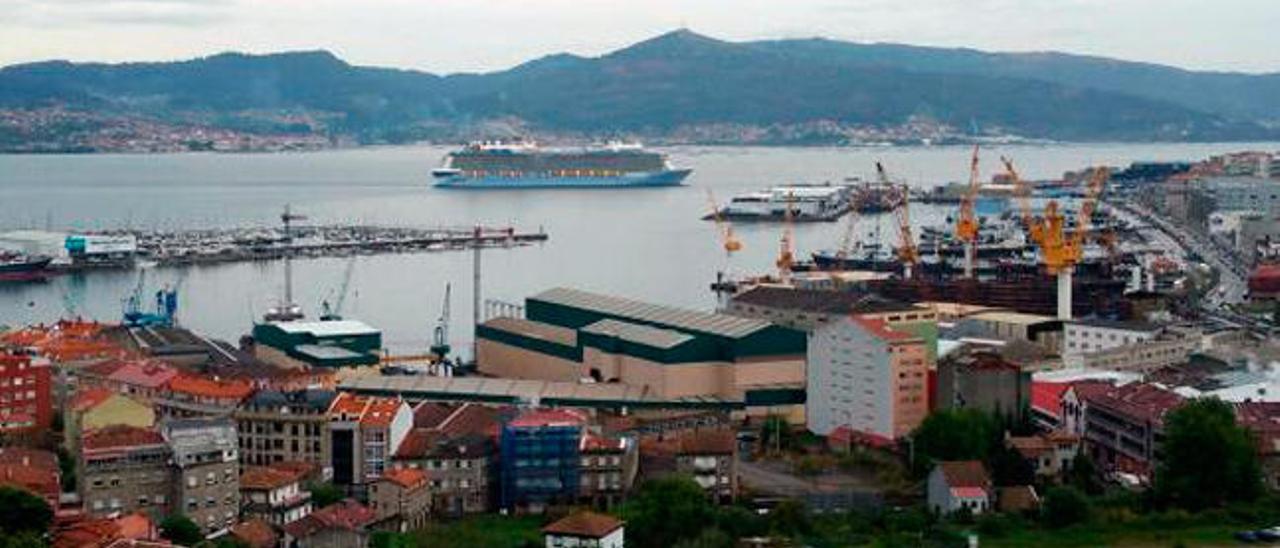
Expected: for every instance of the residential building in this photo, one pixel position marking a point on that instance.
(1124, 426)
(585, 530)
(569, 335)
(1129, 346)
(96, 407)
(190, 395)
(1262, 419)
(959, 485)
(1243, 194)
(980, 379)
(1050, 454)
(868, 376)
(273, 494)
(255, 533)
(145, 380)
(400, 500)
(124, 469)
(540, 460)
(710, 457)
(340, 525)
(460, 468)
(609, 467)
(206, 483)
(32, 470)
(26, 393)
(280, 427)
(1046, 404)
(366, 432)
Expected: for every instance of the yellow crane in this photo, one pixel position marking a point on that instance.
(967, 223)
(907, 251)
(786, 255)
(728, 240)
(1059, 250)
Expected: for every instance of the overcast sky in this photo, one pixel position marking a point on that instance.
(478, 35)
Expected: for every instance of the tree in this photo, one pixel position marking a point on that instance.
(25, 539)
(1008, 467)
(1083, 475)
(739, 522)
(1208, 459)
(180, 530)
(710, 537)
(23, 512)
(1065, 506)
(954, 434)
(790, 518)
(387, 539)
(323, 494)
(665, 511)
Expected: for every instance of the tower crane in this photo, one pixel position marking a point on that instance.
(786, 255)
(1060, 251)
(908, 253)
(331, 313)
(728, 241)
(967, 223)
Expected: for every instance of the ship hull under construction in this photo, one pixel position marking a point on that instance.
(1032, 295)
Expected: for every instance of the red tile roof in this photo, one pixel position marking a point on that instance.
(1139, 400)
(147, 374)
(472, 418)
(347, 514)
(206, 387)
(965, 473)
(708, 442)
(265, 478)
(256, 533)
(91, 533)
(584, 524)
(591, 443)
(407, 478)
(430, 414)
(549, 417)
(878, 328)
(136, 526)
(380, 412)
(418, 443)
(1047, 396)
(88, 398)
(38, 481)
(118, 435)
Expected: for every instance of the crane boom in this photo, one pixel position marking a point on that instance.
(440, 340)
(1020, 189)
(728, 241)
(967, 223)
(786, 256)
(908, 253)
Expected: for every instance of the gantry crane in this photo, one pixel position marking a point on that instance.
(728, 241)
(1059, 250)
(967, 222)
(440, 341)
(907, 251)
(786, 254)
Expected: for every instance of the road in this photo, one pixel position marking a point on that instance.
(1231, 287)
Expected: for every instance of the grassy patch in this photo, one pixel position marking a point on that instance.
(485, 530)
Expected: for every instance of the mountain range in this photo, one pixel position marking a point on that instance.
(670, 83)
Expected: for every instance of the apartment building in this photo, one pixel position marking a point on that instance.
(277, 427)
(867, 376)
(540, 459)
(609, 467)
(461, 469)
(711, 458)
(96, 407)
(400, 500)
(274, 495)
(125, 469)
(1124, 425)
(206, 483)
(366, 432)
(26, 393)
(190, 395)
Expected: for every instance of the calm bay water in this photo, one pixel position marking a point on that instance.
(643, 243)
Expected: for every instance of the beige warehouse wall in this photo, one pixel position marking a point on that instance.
(502, 360)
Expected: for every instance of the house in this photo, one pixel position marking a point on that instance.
(457, 446)
(959, 485)
(868, 376)
(1046, 404)
(609, 467)
(980, 379)
(97, 407)
(711, 458)
(277, 427)
(340, 525)
(32, 470)
(189, 395)
(206, 470)
(255, 533)
(400, 500)
(1262, 419)
(1049, 454)
(586, 530)
(365, 434)
(1124, 426)
(273, 495)
(143, 379)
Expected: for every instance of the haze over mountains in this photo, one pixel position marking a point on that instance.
(669, 84)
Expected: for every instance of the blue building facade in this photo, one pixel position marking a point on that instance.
(540, 459)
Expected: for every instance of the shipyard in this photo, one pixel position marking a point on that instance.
(804, 282)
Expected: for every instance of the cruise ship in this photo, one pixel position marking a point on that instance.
(526, 165)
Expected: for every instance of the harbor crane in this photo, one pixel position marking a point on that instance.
(786, 253)
(907, 251)
(166, 304)
(287, 310)
(334, 312)
(440, 338)
(728, 240)
(1060, 251)
(967, 222)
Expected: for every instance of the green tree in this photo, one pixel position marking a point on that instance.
(665, 511)
(739, 522)
(23, 512)
(790, 518)
(1083, 475)
(387, 539)
(1208, 459)
(953, 434)
(323, 494)
(711, 537)
(180, 530)
(1065, 506)
(25, 539)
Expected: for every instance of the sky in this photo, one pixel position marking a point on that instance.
(446, 36)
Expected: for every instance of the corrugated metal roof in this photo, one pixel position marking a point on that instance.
(526, 390)
(642, 334)
(692, 320)
(334, 328)
(537, 330)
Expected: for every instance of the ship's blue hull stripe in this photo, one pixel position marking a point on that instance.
(660, 178)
